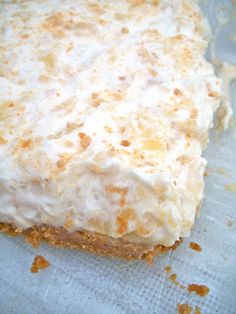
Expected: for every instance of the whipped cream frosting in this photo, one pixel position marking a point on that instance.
(105, 108)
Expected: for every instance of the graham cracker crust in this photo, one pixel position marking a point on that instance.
(87, 241)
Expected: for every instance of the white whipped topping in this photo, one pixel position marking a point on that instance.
(105, 108)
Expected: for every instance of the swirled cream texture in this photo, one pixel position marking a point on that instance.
(105, 108)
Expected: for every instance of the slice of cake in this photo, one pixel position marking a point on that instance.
(105, 108)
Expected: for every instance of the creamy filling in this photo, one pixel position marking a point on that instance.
(105, 109)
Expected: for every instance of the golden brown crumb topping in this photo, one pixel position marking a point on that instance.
(123, 220)
(125, 143)
(64, 159)
(2, 140)
(117, 190)
(85, 140)
(124, 30)
(26, 144)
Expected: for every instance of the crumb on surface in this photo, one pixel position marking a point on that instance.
(197, 310)
(230, 223)
(195, 246)
(200, 290)
(173, 277)
(184, 308)
(187, 309)
(168, 269)
(39, 263)
(231, 187)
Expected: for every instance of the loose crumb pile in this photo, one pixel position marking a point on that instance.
(39, 263)
(173, 277)
(200, 290)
